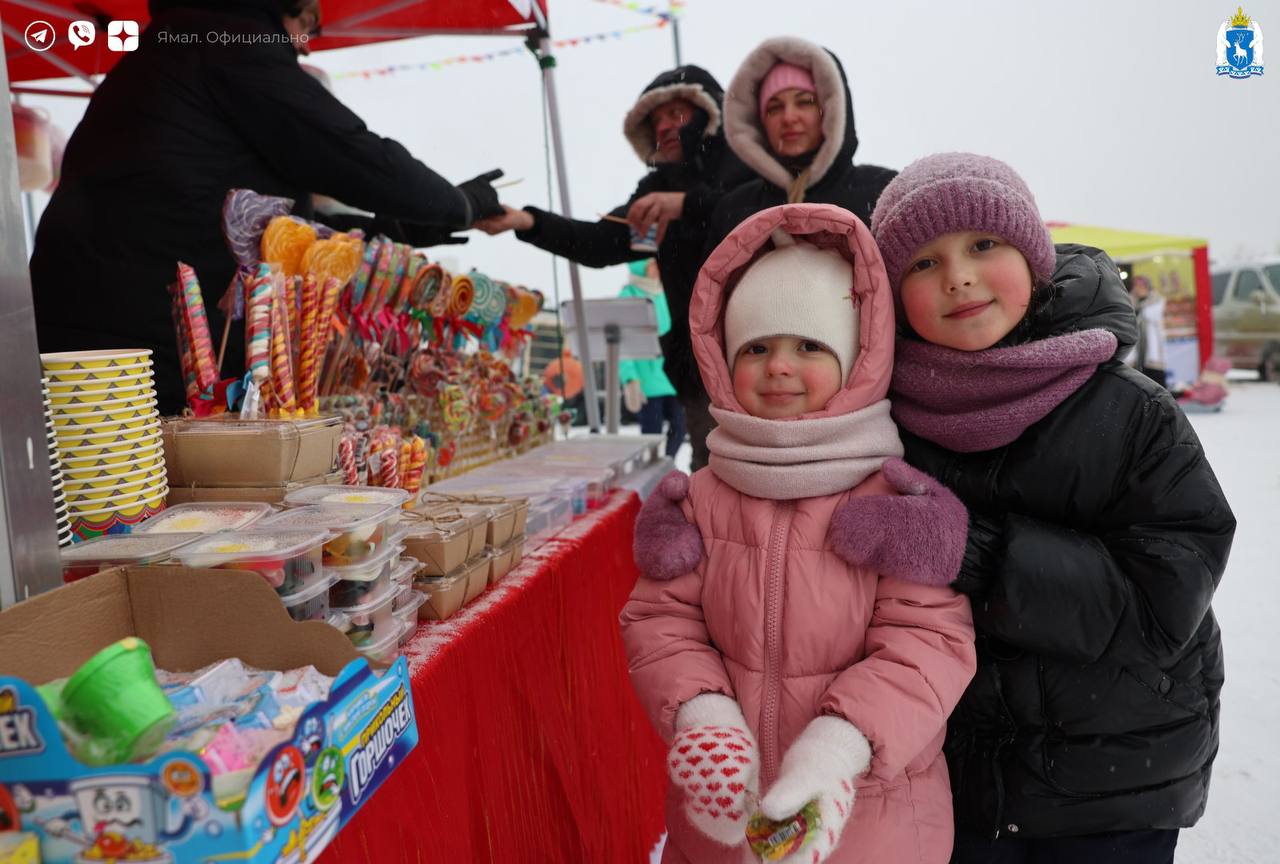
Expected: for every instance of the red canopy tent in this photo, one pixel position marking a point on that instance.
(345, 23)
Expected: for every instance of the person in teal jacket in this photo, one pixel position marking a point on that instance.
(647, 392)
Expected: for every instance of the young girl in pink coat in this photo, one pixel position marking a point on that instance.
(793, 635)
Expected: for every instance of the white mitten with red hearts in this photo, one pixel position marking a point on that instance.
(714, 761)
(820, 765)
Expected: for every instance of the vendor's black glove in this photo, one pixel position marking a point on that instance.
(429, 235)
(982, 552)
(482, 196)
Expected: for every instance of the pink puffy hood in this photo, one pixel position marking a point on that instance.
(823, 225)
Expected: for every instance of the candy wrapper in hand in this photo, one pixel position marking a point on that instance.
(772, 841)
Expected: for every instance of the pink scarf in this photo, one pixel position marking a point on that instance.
(969, 401)
(786, 459)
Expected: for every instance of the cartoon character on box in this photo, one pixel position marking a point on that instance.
(123, 817)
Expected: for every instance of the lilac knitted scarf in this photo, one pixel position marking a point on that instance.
(969, 401)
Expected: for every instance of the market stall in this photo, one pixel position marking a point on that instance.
(1177, 269)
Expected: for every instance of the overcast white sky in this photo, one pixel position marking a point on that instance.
(1110, 110)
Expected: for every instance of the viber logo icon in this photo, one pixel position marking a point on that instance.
(122, 36)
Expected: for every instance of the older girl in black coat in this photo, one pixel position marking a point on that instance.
(1098, 531)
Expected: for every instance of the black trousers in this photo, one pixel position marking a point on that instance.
(698, 420)
(1119, 847)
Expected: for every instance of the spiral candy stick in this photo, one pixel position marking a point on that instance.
(281, 359)
(309, 351)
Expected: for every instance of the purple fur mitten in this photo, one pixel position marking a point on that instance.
(666, 544)
(918, 536)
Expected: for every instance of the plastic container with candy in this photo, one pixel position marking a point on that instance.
(404, 570)
(372, 618)
(85, 559)
(358, 531)
(386, 647)
(289, 560)
(204, 518)
(406, 604)
(310, 602)
(347, 495)
(355, 583)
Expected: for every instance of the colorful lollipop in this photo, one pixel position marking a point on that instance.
(245, 215)
(285, 241)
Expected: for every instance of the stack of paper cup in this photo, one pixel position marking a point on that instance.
(60, 511)
(103, 409)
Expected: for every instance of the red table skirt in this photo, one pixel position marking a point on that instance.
(533, 747)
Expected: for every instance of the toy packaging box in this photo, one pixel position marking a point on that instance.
(164, 810)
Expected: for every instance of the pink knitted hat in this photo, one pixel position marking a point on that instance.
(784, 76)
(949, 192)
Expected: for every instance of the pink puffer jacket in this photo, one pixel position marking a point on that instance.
(773, 617)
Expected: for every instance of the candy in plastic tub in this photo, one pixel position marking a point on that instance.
(205, 518)
(85, 559)
(406, 604)
(371, 619)
(357, 531)
(113, 700)
(404, 570)
(347, 495)
(354, 584)
(386, 647)
(288, 560)
(311, 602)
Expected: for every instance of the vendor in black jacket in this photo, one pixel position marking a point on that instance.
(674, 127)
(171, 129)
(1098, 532)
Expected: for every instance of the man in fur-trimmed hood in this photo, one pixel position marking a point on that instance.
(676, 128)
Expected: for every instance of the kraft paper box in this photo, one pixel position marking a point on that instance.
(302, 792)
(265, 494)
(238, 453)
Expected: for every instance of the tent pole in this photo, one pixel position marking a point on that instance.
(579, 310)
(28, 540)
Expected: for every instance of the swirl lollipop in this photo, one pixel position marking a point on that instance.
(285, 241)
(489, 301)
(245, 215)
(460, 296)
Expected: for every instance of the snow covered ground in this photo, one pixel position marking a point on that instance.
(1242, 825)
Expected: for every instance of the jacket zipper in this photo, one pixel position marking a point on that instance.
(773, 597)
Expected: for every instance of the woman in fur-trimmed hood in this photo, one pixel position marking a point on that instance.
(824, 174)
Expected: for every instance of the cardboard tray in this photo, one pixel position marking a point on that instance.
(192, 618)
(247, 453)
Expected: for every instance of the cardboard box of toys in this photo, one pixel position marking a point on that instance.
(301, 792)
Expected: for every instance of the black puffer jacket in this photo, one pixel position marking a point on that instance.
(174, 126)
(1098, 539)
(833, 178)
(709, 170)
